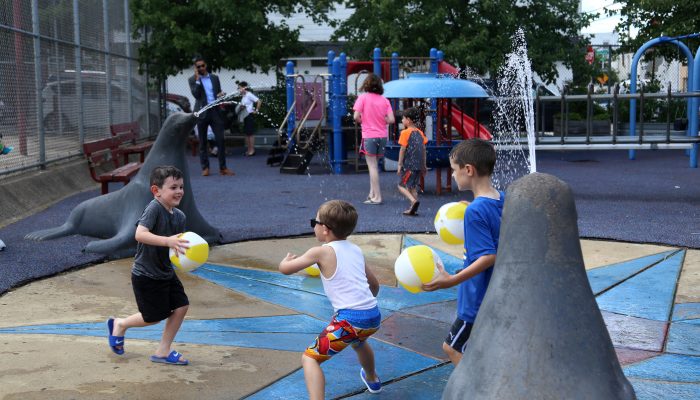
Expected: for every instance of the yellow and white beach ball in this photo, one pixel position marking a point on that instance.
(312, 270)
(416, 265)
(195, 256)
(449, 222)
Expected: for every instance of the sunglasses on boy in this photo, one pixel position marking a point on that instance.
(315, 222)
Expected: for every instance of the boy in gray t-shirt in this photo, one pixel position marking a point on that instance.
(158, 291)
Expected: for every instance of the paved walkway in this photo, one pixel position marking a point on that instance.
(248, 324)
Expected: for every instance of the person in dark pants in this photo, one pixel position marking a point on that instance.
(205, 88)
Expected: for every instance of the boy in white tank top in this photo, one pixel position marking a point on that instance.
(351, 288)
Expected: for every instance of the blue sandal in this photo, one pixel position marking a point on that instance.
(172, 358)
(115, 341)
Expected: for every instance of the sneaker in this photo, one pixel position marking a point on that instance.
(373, 387)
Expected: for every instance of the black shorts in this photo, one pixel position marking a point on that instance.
(157, 299)
(459, 333)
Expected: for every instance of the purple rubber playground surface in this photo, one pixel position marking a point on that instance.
(653, 199)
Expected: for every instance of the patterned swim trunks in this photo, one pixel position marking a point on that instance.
(340, 334)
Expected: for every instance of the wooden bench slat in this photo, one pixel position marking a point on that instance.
(127, 134)
(100, 151)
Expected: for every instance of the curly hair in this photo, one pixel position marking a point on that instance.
(372, 84)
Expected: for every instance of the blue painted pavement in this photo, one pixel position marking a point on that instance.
(647, 295)
(686, 311)
(604, 277)
(667, 367)
(655, 390)
(342, 373)
(426, 385)
(683, 338)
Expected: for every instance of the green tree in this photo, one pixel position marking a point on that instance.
(231, 34)
(475, 34)
(643, 20)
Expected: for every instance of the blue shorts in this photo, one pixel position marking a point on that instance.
(373, 146)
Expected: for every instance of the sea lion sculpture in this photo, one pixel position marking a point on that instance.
(112, 217)
(539, 333)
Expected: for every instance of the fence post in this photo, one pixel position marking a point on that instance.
(78, 71)
(127, 29)
(37, 83)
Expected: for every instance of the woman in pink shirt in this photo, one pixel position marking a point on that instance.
(374, 112)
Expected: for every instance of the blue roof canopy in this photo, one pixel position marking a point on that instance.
(419, 86)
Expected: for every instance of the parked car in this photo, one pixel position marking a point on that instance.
(173, 102)
(61, 104)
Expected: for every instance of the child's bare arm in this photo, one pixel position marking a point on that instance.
(145, 236)
(389, 118)
(293, 263)
(372, 280)
(444, 280)
(357, 116)
(402, 154)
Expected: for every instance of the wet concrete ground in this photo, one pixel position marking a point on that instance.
(248, 325)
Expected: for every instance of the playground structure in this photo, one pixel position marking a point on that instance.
(445, 118)
(441, 108)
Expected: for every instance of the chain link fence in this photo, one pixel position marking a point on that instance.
(69, 71)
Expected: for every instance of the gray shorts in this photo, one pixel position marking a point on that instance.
(373, 146)
(410, 179)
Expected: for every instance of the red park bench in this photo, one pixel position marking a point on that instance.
(126, 135)
(103, 151)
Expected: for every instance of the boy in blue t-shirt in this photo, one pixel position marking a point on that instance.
(472, 161)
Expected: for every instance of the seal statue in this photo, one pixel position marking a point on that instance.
(112, 217)
(539, 333)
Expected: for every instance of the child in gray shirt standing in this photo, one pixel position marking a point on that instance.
(158, 291)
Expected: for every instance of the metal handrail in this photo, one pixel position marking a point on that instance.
(317, 128)
(280, 130)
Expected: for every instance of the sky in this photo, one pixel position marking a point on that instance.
(604, 23)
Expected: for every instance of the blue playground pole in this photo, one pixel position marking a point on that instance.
(377, 58)
(329, 106)
(337, 130)
(329, 103)
(440, 56)
(290, 99)
(693, 113)
(633, 82)
(433, 102)
(394, 76)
